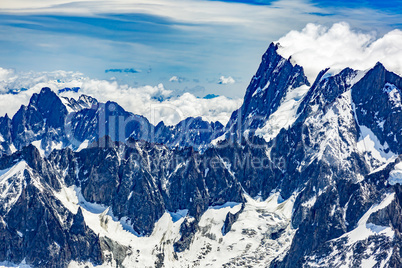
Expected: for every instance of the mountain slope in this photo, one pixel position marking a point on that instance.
(35, 228)
(301, 176)
(276, 78)
(52, 122)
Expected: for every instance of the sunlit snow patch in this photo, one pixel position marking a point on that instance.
(394, 94)
(261, 233)
(368, 142)
(11, 184)
(364, 229)
(285, 115)
(395, 176)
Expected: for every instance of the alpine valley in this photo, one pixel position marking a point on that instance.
(303, 175)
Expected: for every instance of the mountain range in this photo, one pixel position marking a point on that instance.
(302, 175)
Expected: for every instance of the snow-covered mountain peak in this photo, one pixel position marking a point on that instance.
(302, 175)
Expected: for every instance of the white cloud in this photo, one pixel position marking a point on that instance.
(317, 47)
(177, 79)
(226, 80)
(176, 109)
(142, 100)
(174, 79)
(33, 82)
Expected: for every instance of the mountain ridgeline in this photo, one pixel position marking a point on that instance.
(303, 175)
(52, 122)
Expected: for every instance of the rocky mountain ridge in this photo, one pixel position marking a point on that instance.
(301, 176)
(52, 122)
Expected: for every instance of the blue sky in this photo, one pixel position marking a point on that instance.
(196, 41)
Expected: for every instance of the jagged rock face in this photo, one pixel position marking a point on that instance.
(329, 167)
(326, 89)
(143, 180)
(338, 188)
(118, 252)
(274, 78)
(83, 102)
(191, 132)
(257, 172)
(36, 227)
(187, 230)
(5, 132)
(42, 119)
(390, 215)
(108, 119)
(54, 123)
(230, 219)
(377, 97)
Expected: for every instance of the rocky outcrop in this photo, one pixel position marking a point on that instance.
(377, 97)
(229, 220)
(38, 229)
(275, 77)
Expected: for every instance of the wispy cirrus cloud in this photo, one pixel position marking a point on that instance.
(126, 70)
(186, 37)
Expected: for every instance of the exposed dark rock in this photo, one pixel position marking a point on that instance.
(230, 219)
(187, 230)
(35, 233)
(140, 171)
(268, 86)
(118, 252)
(375, 108)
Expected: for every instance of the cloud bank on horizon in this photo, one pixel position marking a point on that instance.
(154, 102)
(317, 47)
